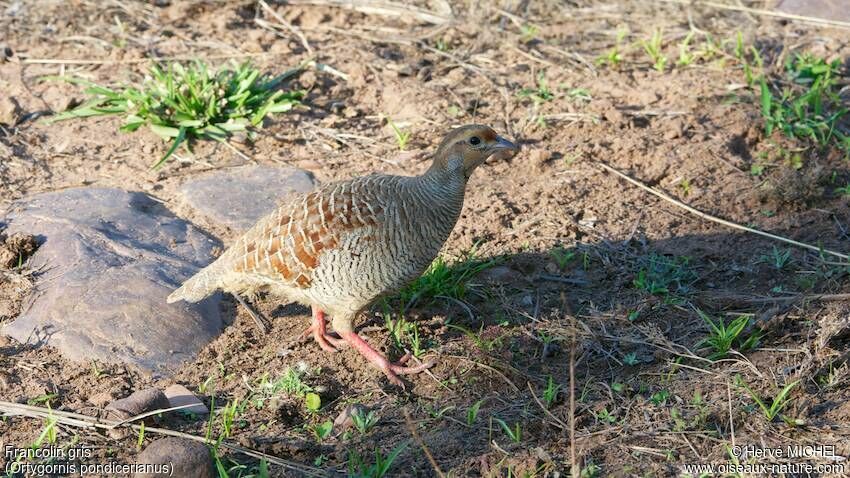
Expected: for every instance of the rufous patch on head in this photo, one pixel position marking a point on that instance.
(488, 135)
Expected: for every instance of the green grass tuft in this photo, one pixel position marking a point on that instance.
(180, 103)
(446, 279)
(661, 275)
(809, 107)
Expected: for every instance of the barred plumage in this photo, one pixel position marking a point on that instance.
(341, 246)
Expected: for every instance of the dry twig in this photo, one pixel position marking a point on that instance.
(716, 219)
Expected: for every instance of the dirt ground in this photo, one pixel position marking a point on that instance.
(648, 397)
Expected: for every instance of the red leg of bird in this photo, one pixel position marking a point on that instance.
(318, 329)
(392, 370)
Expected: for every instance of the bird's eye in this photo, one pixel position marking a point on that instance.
(475, 140)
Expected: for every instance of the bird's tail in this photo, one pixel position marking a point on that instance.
(197, 287)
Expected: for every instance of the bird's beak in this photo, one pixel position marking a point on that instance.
(502, 144)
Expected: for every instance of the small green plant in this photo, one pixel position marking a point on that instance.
(529, 32)
(777, 258)
(749, 75)
(776, 405)
(662, 275)
(480, 339)
(562, 256)
(541, 93)
(515, 433)
(45, 399)
(653, 48)
(710, 48)
(401, 137)
(630, 359)
(472, 412)
(605, 416)
(614, 56)
(289, 383)
(722, 335)
(685, 55)
(364, 421)
(550, 393)
(403, 332)
(740, 48)
(141, 440)
(358, 467)
(96, 370)
(322, 430)
(685, 186)
(660, 397)
(844, 191)
(228, 416)
(581, 94)
(48, 433)
(590, 470)
(180, 103)
(313, 402)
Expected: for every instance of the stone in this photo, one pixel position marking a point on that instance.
(500, 275)
(180, 396)
(107, 260)
(344, 420)
(6, 52)
(538, 157)
(59, 98)
(137, 403)
(174, 456)
(239, 197)
(827, 9)
(10, 110)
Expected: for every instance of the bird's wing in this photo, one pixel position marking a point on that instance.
(288, 245)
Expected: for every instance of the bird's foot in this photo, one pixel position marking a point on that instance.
(318, 329)
(391, 370)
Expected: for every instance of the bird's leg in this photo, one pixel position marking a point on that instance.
(392, 370)
(327, 342)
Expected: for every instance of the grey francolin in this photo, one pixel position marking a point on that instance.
(340, 247)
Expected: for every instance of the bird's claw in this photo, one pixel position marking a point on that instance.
(326, 341)
(393, 370)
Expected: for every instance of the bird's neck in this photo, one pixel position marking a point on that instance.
(440, 179)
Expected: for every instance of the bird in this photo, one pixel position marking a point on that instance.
(343, 245)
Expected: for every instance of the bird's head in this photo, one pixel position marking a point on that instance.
(467, 147)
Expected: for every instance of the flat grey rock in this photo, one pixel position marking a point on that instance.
(239, 197)
(827, 9)
(108, 259)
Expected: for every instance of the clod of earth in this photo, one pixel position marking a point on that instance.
(344, 245)
(186, 458)
(16, 249)
(108, 259)
(223, 195)
(137, 403)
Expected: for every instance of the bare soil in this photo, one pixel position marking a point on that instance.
(640, 367)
